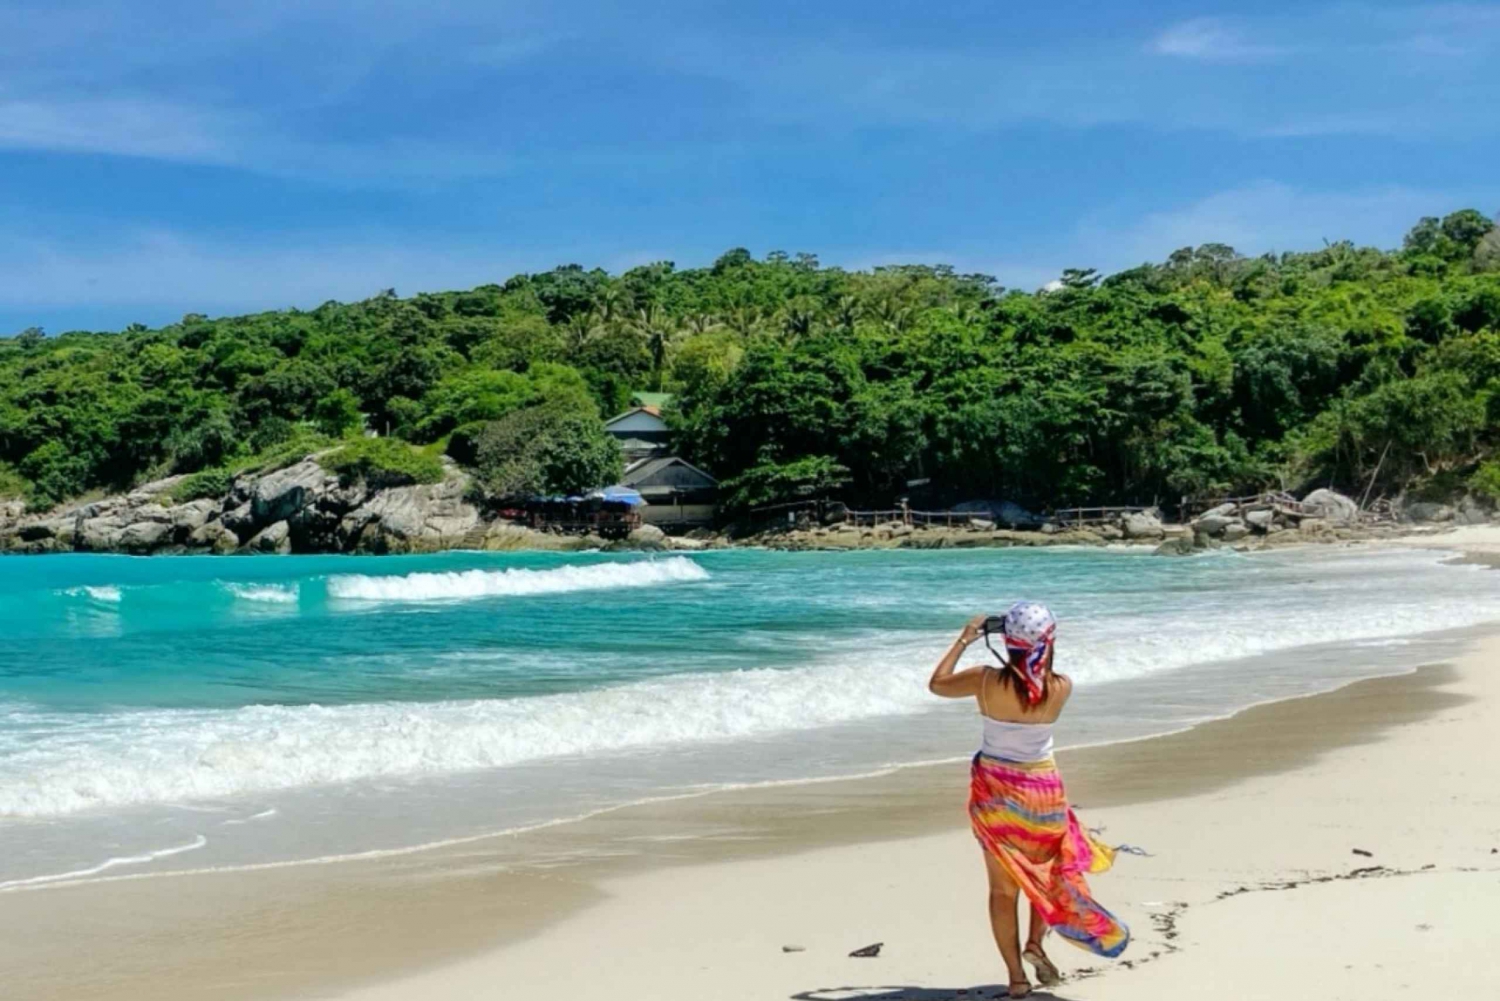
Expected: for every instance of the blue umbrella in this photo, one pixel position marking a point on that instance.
(622, 495)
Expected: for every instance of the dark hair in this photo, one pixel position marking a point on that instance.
(1011, 678)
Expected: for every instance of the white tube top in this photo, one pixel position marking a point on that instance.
(1016, 741)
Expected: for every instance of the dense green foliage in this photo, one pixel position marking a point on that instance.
(547, 449)
(12, 484)
(383, 462)
(1346, 366)
(212, 482)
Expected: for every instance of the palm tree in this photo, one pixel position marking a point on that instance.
(582, 328)
(892, 315)
(660, 335)
(747, 321)
(797, 320)
(702, 323)
(845, 313)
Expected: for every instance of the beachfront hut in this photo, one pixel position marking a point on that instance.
(677, 493)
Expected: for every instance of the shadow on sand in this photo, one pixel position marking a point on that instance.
(985, 992)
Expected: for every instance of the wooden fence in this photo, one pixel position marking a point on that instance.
(1098, 515)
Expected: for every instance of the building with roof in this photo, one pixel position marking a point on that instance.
(678, 494)
(641, 432)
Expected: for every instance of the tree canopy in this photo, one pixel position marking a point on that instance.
(1207, 372)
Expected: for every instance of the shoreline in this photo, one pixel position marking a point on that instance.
(421, 923)
(493, 893)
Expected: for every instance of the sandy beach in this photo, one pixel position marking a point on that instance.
(1344, 845)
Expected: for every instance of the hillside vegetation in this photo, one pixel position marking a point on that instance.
(1209, 372)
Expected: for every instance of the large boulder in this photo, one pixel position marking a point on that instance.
(239, 520)
(1426, 511)
(101, 534)
(1223, 510)
(1213, 524)
(1180, 546)
(1331, 506)
(413, 519)
(274, 538)
(1472, 512)
(1235, 531)
(141, 537)
(1260, 520)
(647, 537)
(188, 518)
(281, 495)
(1141, 525)
(1001, 512)
(214, 537)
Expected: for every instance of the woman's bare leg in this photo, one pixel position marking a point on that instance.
(1037, 930)
(1003, 923)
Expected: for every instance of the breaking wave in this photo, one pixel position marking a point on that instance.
(465, 584)
(276, 594)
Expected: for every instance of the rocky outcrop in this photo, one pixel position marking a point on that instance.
(647, 537)
(301, 508)
(1141, 525)
(1332, 507)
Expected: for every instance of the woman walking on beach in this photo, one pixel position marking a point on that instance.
(1033, 844)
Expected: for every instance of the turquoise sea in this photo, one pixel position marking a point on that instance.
(168, 713)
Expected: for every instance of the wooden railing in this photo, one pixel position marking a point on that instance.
(1097, 515)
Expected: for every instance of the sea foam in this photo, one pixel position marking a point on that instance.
(275, 594)
(466, 584)
(105, 594)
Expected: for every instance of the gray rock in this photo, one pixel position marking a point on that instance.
(1235, 531)
(1312, 526)
(144, 536)
(1176, 547)
(647, 537)
(1141, 525)
(1424, 511)
(1001, 512)
(274, 538)
(1110, 533)
(1331, 506)
(47, 528)
(100, 535)
(982, 524)
(215, 537)
(240, 520)
(412, 519)
(281, 495)
(1472, 512)
(1223, 510)
(1212, 524)
(193, 515)
(1260, 520)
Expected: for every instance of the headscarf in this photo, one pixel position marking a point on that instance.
(1029, 630)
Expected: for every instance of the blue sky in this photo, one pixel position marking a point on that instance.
(163, 158)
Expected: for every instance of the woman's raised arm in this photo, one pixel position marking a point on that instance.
(951, 684)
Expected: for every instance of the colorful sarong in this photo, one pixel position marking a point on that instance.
(1020, 815)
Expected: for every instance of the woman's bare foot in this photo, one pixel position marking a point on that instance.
(1045, 971)
(1019, 989)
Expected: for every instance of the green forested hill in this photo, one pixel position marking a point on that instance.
(1208, 372)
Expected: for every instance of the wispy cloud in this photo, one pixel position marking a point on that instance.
(123, 126)
(1214, 40)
